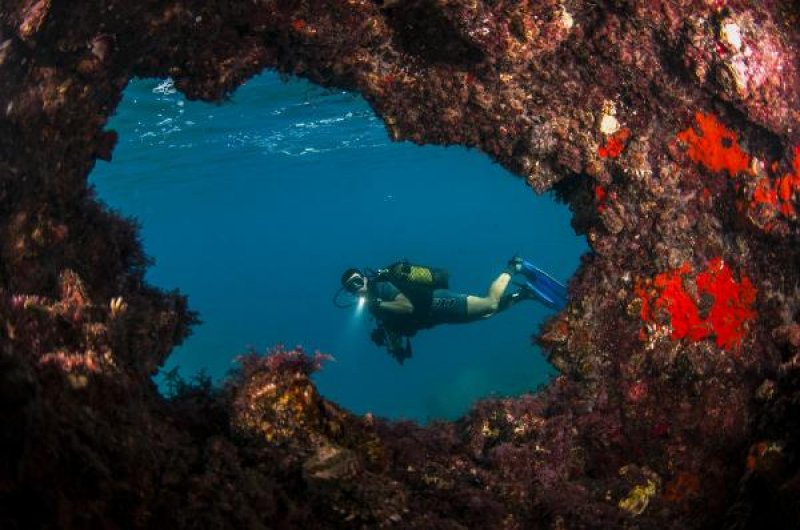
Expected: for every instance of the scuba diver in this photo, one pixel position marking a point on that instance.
(405, 298)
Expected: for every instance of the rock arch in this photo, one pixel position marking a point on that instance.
(670, 129)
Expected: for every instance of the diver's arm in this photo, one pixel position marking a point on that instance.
(400, 305)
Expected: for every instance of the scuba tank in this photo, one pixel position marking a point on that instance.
(406, 274)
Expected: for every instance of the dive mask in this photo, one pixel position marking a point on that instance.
(354, 283)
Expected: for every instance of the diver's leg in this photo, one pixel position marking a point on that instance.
(499, 286)
(481, 307)
(487, 306)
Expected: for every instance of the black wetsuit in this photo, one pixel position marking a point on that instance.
(440, 306)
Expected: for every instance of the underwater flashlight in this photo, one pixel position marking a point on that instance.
(362, 301)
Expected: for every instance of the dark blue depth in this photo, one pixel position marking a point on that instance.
(255, 207)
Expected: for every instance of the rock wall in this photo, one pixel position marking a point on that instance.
(670, 127)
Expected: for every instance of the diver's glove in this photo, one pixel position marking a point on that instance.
(378, 336)
(399, 346)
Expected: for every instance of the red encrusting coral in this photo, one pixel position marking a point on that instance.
(615, 145)
(727, 318)
(716, 147)
(776, 195)
(767, 198)
(600, 197)
(684, 315)
(733, 302)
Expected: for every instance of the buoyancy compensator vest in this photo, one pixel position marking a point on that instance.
(417, 283)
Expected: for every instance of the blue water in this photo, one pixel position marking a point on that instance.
(255, 207)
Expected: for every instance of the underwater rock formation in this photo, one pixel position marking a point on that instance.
(670, 127)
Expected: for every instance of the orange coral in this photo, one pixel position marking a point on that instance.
(615, 144)
(773, 197)
(764, 193)
(600, 197)
(728, 317)
(716, 147)
(685, 317)
(732, 302)
(789, 185)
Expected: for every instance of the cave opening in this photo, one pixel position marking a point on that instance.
(254, 208)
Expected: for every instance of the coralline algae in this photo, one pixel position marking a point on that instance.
(678, 352)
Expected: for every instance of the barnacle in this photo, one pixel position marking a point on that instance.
(609, 124)
(733, 76)
(566, 19)
(331, 462)
(731, 35)
(637, 500)
(608, 121)
(118, 306)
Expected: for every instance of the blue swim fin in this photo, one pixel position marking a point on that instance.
(547, 289)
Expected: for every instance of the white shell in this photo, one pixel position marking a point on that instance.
(731, 35)
(609, 124)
